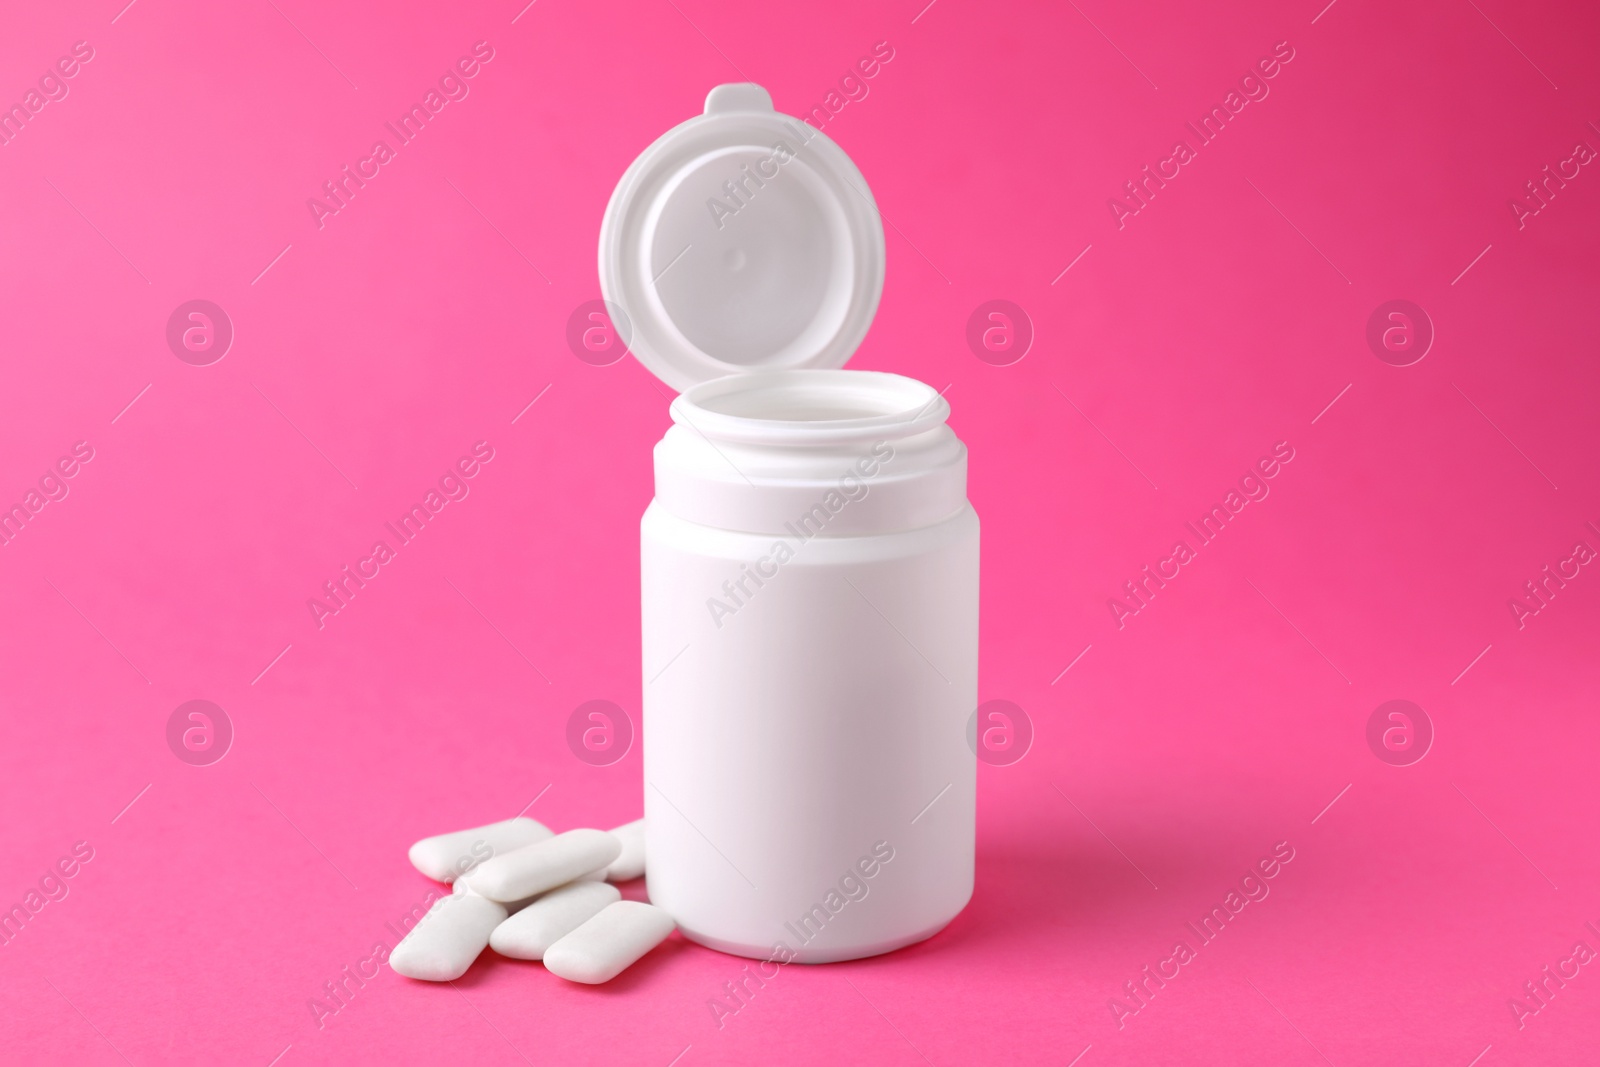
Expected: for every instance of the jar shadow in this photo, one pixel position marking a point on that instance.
(1063, 894)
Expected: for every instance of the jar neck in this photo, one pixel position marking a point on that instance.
(808, 453)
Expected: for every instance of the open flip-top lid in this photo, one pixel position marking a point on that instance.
(741, 240)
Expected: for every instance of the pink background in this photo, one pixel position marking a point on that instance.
(1224, 317)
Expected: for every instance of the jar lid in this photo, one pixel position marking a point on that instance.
(741, 240)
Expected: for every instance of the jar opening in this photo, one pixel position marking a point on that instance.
(798, 405)
(810, 406)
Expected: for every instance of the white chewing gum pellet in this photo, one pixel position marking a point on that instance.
(539, 867)
(445, 857)
(609, 943)
(443, 945)
(630, 864)
(527, 934)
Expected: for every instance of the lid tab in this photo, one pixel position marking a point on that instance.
(738, 96)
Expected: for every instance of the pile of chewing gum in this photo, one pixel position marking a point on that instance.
(539, 896)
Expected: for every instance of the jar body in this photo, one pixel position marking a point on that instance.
(809, 787)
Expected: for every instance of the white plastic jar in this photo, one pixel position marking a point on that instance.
(809, 563)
